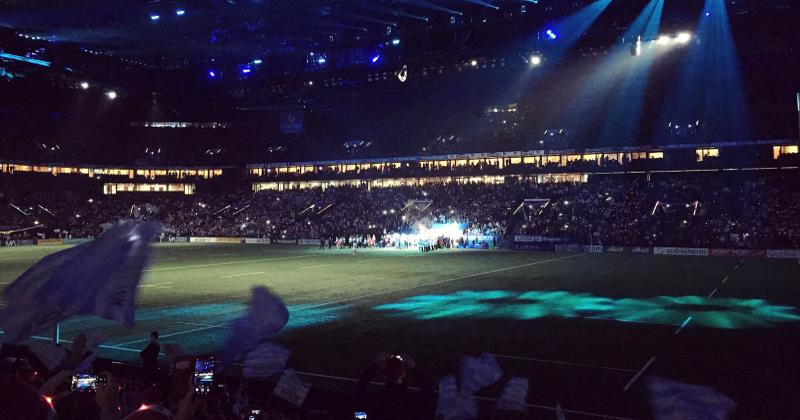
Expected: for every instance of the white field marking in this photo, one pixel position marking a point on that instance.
(685, 323)
(103, 346)
(315, 266)
(561, 362)
(162, 336)
(401, 289)
(185, 267)
(725, 280)
(240, 275)
(638, 374)
(713, 292)
(374, 259)
(164, 285)
(201, 325)
(537, 406)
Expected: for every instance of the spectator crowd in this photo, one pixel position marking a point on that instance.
(728, 211)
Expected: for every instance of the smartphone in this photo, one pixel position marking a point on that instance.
(360, 415)
(86, 382)
(255, 414)
(204, 375)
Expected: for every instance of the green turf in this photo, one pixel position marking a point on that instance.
(606, 314)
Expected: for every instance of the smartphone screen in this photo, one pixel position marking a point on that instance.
(204, 375)
(84, 382)
(360, 415)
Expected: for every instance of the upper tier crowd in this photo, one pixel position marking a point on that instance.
(729, 211)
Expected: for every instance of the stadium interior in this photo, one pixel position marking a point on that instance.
(399, 209)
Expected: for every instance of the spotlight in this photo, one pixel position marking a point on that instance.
(257, 61)
(111, 94)
(84, 85)
(535, 60)
(662, 40)
(155, 17)
(683, 37)
(473, 63)
(395, 41)
(376, 58)
(212, 74)
(180, 12)
(321, 60)
(551, 35)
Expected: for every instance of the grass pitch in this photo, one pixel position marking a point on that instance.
(581, 326)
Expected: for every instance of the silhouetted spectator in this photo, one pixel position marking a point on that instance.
(395, 400)
(149, 356)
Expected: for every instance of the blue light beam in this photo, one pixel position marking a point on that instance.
(624, 119)
(710, 86)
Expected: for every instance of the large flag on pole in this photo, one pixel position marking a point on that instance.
(266, 315)
(96, 278)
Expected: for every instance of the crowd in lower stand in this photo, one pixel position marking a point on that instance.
(710, 210)
(44, 381)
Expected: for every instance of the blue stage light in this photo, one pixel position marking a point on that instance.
(550, 34)
(257, 61)
(376, 58)
(246, 70)
(321, 60)
(395, 41)
(212, 74)
(180, 12)
(155, 17)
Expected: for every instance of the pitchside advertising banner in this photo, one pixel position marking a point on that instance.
(256, 240)
(714, 252)
(671, 250)
(539, 239)
(71, 241)
(579, 248)
(521, 246)
(215, 240)
(203, 240)
(628, 249)
(783, 253)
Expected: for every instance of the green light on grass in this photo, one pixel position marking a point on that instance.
(727, 313)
